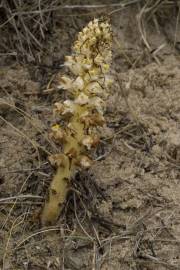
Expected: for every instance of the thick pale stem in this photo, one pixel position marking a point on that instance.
(57, 194)
(60, 184)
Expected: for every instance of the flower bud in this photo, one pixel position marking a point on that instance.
(90, 141)
(57, 160)
(82, 99)
(85, 162)
(58, 134)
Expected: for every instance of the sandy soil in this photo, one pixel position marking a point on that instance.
(124, 213)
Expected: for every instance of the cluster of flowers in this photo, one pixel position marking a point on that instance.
(79, 116)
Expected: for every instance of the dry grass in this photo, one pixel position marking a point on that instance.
(81, 225)
(28, 22)
(25, 25)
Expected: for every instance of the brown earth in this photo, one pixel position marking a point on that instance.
(124, 213)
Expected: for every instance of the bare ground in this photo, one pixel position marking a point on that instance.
(124, 213)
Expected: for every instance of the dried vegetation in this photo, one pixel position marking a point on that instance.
(124, 213)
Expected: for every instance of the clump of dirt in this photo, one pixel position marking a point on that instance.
(124, 212)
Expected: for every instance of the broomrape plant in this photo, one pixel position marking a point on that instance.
(81, 114)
